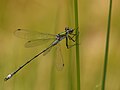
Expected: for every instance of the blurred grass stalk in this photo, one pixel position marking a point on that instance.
(77, 42)
(53, 74)
(107, 47)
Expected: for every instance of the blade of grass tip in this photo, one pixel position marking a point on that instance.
(107, 47)
(77, 42)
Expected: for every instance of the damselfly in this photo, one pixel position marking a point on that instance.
(38, 38)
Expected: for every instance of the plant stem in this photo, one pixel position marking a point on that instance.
(77, 42)
(107, 47)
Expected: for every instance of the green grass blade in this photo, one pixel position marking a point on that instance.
(107, 47)
(77, 46)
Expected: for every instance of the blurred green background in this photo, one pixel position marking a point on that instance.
(52, 16)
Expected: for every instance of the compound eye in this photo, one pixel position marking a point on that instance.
(71, 30)
(66, 28)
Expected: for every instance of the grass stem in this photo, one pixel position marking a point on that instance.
(107, 47)
(77, 46)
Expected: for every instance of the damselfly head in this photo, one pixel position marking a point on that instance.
(71, 31)
(68, 30)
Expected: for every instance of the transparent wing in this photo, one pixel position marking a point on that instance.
(47, 51)
(59, 59)
(32, 35)
(37, 42)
